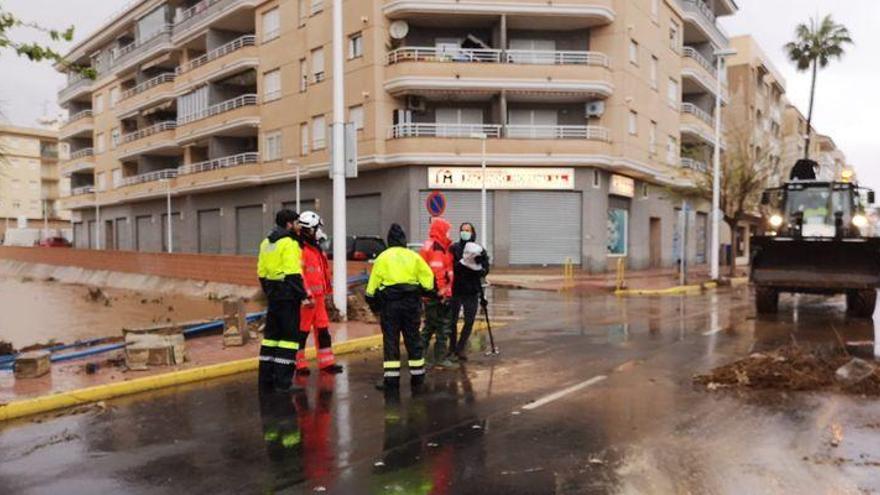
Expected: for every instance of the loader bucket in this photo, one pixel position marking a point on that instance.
(818, 265)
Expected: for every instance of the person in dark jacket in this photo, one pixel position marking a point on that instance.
(470, 265)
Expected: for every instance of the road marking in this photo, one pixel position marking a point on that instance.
(562, 393)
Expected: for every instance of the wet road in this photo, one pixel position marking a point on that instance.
(589, 395)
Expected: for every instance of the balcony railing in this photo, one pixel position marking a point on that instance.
(189, 17)
(79, 115)
(79, 191)
(226, 106)
(695, 165)
(148, 84)
(698, 112)
(700, 59)
(74, 84)
(707, 16)
(219, 163)
(128, 52)
(168, 173)
(445, 130)
(536, 57)
(76, 155)
(168, 125)
(552, 57)
(589, 132)
(237, 44)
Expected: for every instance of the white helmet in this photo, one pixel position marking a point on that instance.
(310, 220)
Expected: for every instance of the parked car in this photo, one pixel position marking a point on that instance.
(54, 242)
(360, 247)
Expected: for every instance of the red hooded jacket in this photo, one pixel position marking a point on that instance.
(316, 271)
(437, 253)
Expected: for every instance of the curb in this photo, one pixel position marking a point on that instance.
(37, 405)
(680, 289)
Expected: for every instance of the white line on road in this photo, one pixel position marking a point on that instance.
(562, 393)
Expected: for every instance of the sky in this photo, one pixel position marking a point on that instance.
(846, 97)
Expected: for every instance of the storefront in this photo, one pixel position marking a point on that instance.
(621, 191)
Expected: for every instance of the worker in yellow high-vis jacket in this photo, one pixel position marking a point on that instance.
(397, 282)
(280, 270)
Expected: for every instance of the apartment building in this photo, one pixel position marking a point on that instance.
(794, 131)
(30, 184)
(580, 108)
(832, 161)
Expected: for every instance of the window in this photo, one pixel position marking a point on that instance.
(114, 138)
(673, 93)
(319, 131)
(674, 43)
(100, 145)
(303, 75)
(273, 146)
(654, 63)
(318, 64)
(302, 12)
(646, 191)
(272, 85)
(99, 103)
(672, 150)
(356, 46)
(114, 97)
(634, 52)
(652, 138)
(597, 178)
(271, 25)
(304, 139)
(356, 115)
(618, 231)
(633, 125)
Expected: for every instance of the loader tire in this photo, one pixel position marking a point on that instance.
(860, 303)
(766, 300)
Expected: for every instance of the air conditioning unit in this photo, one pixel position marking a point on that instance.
(595, 109)
(415, 103)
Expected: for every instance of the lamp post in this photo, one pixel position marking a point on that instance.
(340, 272)
(169, 232)
(291, 161)
(483, 199)
(716, 166)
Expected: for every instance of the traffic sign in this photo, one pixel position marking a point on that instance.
(436, 203)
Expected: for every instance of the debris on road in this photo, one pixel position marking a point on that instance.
(96, 295)
(795, 369)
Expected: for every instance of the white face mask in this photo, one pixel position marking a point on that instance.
(465, 235)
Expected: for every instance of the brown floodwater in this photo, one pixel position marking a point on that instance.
(39, 311)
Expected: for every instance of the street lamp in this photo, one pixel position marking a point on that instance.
(482, 137)
(716, 162)
(340, 272)
(168, 229)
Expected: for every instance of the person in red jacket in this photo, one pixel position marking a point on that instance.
(438, 315)
(313, 315)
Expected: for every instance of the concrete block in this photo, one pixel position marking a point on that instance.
(165, 344)
(162, 355)
(32, 364)
(235, 329)
(137, 356)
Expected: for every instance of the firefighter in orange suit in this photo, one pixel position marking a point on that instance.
(317, 279)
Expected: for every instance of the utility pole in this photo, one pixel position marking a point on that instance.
(340, 271)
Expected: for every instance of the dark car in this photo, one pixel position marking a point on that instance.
(360, 247)
(54, 242)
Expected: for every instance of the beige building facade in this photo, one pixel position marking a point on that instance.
(583, 108)
(30, 183)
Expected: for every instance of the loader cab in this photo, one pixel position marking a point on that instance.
(817, 209)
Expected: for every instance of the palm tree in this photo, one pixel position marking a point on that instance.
(813, 48)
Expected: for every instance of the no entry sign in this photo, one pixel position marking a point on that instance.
(436, 203)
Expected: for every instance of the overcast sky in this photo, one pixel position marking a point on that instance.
(847, 100)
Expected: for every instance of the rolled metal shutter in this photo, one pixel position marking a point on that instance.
(176, 233)
(93, 234)
(80, 236)
(123, 234)
(461, 206)
(545, 228)
(209, 231)
(364, 215)
(249, 230)
(148, 239)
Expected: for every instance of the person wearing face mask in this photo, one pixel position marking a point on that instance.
(471, 264)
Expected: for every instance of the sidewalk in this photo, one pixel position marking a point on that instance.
(552, 279)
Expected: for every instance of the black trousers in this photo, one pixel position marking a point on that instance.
(280, 343)
(402, 315)
(471, 304)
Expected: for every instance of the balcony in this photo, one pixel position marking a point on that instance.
(444, 130)
(158, 175)
(80, 161)
(130, 55)
(425, 70)
(220, 163)
(697, 123)
(697, 13)
(148, 93)
(699, 75)
(695, 165)
(225, 116)
(205, 13)
(587, 132)
(219, 62)
(79, 124)
(77, 86)
(572, 14)
(79, 191)
(80, 197)
(152, 139)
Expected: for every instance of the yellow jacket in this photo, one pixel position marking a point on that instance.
(279, 266)
(399, 266)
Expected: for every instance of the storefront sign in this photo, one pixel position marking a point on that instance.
(622, 186)
(501, 178)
